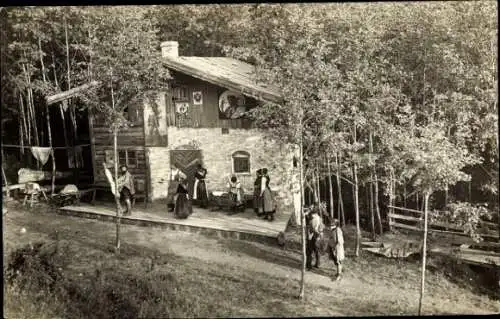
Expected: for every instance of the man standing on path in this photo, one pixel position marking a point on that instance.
(315, 230)
(336, 247)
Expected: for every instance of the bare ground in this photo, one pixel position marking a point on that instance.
(371, 285)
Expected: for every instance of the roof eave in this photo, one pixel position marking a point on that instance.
(264, 96)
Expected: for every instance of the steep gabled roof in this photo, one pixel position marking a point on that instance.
(225, 72)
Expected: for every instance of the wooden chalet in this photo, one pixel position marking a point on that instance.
(198, 118)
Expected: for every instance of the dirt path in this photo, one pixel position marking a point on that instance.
(383, 292)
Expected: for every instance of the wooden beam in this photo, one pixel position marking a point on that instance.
(411, 218)
(406, 209)
(51, 99)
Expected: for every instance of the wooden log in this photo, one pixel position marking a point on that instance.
(51, 99)
(406, 209)
(395, 224)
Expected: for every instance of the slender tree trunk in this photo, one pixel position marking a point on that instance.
(316, 184)
(49, 130)
(392, 196)
(302, 215)
(339, 189)
(372, 208)
(356, 195)
(330, 187)
(4, 176)
(31, 105)
(117, 195)
(424, 253)
(23, 122)
(356, 208)
(61, 109)
(416, 199)
(377, 206)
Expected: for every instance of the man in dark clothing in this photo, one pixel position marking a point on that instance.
(314, 234)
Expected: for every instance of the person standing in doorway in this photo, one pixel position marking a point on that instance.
(200, 193)
(266, 196)
(336, 246)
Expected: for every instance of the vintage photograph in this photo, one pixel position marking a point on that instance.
(250, 160)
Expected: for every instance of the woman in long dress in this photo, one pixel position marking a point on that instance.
(267, 197)
(200, 194)
(257, 203)
(183, 206)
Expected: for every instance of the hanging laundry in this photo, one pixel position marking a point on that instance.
(41, 154)
(78, 157)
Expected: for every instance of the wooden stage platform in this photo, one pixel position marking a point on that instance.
(244, 225)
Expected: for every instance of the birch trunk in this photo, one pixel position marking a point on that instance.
(339, 189)
(356, 208)
(377, 206)
(61, 109)
(49, 130)
(117, 195)
(302, 215)
(330, 187)
(424, 253)
(23, 122)
(372, 213)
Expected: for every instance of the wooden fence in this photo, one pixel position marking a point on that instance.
(412, 219)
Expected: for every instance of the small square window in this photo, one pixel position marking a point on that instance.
(241, 162)
(225, 130)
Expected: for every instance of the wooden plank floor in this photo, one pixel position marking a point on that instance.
(242, 223)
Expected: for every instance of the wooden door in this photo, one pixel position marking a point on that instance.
(186, 161)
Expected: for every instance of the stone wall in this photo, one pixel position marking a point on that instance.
(217, 149)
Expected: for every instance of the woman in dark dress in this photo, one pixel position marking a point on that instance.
(257, 202)
(183, 206)
(200, 194)
(267, 196)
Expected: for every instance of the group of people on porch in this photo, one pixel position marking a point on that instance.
(263, 201)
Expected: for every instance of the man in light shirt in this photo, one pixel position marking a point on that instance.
(314, 232)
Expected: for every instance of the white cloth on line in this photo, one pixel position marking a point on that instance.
(41, 154)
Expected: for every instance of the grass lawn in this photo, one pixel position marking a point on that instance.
(162, 274)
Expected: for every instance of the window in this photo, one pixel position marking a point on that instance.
(180, 94)
(125, 157)
(241, 162)
(133, 114)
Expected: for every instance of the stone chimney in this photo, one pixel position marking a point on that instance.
(170, 49)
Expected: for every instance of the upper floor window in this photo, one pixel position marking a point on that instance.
(241, 162)
(132, 114)
(180, 93)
